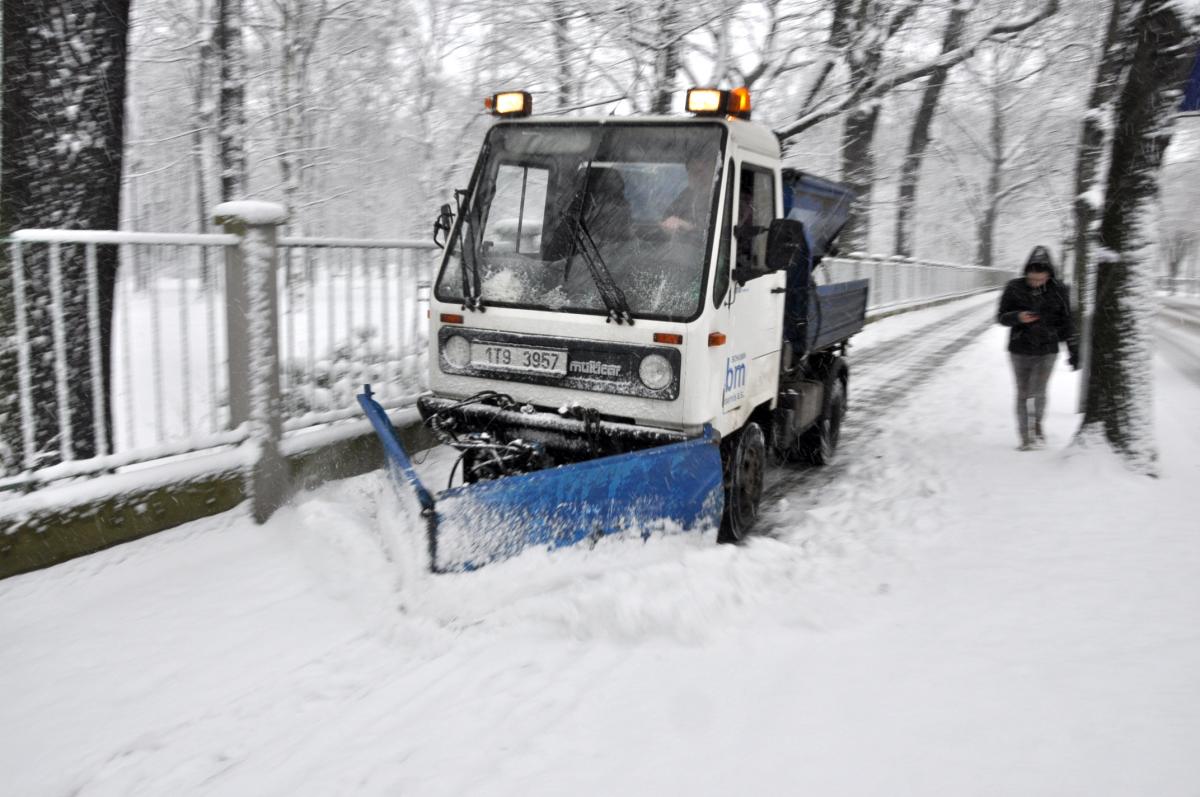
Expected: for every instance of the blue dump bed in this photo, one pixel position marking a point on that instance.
(819, 316)
(835, 312)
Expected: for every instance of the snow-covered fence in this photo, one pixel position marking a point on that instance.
(165, 361)
(348, 311)
(351, 311)
(900, 282)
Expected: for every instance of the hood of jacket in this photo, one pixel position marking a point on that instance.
(1041, 254)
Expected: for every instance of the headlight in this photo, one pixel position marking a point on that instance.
(655, 371)
(457, 351)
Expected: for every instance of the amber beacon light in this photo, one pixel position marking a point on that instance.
(510, 103)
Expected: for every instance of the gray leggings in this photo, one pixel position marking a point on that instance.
(1032, 372)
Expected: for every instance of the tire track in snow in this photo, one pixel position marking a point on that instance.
(903, 343)
(879, 380)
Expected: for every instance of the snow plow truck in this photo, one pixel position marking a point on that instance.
(625, 330)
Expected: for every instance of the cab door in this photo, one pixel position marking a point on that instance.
(750, 315)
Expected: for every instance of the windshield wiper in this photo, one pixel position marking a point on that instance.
(472, 294)
(610, 293)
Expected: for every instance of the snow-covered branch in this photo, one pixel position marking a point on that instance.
(876, 89)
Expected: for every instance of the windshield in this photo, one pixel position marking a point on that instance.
(559, 212)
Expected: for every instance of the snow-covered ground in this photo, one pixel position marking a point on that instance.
(937, 614)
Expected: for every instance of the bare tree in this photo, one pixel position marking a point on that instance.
(859, 34)
(1009, 141)
(918, 139)
(838, 103)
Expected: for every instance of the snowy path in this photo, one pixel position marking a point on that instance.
(1178, 328)
(946, 615)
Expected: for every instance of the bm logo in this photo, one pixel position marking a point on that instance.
(735, 380)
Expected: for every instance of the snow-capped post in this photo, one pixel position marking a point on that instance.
(251, 307)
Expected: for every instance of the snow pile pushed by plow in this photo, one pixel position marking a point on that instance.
(944, 615)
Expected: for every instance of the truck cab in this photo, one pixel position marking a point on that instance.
(673, 207)
(623, 283)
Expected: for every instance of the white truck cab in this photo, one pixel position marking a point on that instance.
(541, 325)
(617, 274)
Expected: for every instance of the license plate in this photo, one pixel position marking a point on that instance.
(519, 358)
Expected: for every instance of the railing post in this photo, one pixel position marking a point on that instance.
(252, 329)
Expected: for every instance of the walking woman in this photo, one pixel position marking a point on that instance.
(1038, 309)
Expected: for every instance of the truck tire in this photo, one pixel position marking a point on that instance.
(745, 462)
(821, 441)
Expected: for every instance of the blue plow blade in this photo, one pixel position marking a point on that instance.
(674, 487)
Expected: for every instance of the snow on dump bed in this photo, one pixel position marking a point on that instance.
(949, 616)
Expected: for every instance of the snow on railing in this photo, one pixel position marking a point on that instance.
(85, 400)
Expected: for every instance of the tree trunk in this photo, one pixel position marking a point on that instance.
(63, 119)
(563, 53)
(200, 156)
(290, 100)
(992, 196)
(865, 57)
(1089, 152)
(202, 109)
(918, 140)
(231, 104)
(985, 252)
(858, 172)
(666, 60)
(1119, 397)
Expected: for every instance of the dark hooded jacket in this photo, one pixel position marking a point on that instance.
(1052, 304)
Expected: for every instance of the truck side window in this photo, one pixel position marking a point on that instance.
(517, 209)
(721, 278)
(756, 209)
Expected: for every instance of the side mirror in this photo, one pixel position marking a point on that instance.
(787, 244)
(442, 224)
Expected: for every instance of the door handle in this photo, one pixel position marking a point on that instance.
(779, 290)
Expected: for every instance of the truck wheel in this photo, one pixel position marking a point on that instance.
(745, 462)
(823, 438)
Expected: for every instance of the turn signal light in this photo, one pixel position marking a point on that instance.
(716, 338)
(451, 318)
(739, 102)
(668, 337)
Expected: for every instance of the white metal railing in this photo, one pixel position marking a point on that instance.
(349, 311)
(900, 281)
(150, 362)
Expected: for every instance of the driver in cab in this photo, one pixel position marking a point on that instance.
(691, 205)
